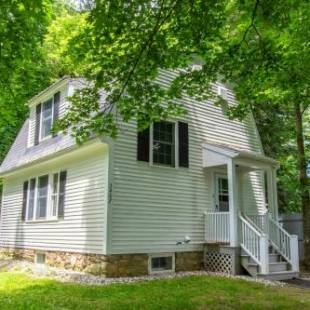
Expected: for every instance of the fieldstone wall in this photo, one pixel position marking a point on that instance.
(188, 261)
(25, 254)
(103, 265)
(125, 265)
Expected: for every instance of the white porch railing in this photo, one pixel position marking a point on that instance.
(217, 227)
(260, 221)
(254, 243)
(285, 244)
(256, 231)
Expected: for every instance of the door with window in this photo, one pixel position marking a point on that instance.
(221, 193)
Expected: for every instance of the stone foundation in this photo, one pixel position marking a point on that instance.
(23, 254)
(122, 265)
(188, 261)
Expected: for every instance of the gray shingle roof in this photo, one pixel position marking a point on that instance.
(20, 155)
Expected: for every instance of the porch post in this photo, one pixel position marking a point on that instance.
(233, 202)
(272, 192)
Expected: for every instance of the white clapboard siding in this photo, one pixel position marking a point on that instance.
(153, 208)
(84, 224)
(253, 193)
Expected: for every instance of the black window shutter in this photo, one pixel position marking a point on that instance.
(37, 128)
(56, 109)
(183, 145)
(143, 152)
(25, 197)
(62, 190)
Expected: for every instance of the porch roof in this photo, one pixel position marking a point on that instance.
(218, 154)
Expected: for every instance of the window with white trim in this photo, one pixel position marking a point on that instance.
(40, 258)
(164, 143)
(46, 119)
(42, 196)
(223, 94)
(161, 263)
(45, 196)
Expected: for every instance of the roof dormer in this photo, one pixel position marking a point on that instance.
(45, 109)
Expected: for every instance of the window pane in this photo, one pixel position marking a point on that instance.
(163, 143)
(223, 195)
(46, 122)
(161, 263)
(42, 196)
(46, 127)
(47, 108)
(31, 199)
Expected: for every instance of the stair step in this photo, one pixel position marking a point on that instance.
(278, 267)
(274, 258)
(271, 250)
(279, 276)
(252, 269)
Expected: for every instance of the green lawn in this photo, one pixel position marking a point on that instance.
(18, 291)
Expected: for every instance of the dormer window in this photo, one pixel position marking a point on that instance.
(46, 119)
(46, 115)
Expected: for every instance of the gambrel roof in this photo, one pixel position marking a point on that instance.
(20, 155)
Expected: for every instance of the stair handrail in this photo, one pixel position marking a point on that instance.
(250, 219)
(284, 243)
(254, 243)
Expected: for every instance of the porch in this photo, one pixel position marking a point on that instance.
(264, 244)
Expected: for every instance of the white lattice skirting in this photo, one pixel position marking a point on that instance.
(218, 262)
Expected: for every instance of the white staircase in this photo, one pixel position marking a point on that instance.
(268, 251)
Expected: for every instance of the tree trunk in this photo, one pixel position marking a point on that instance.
(303, 180)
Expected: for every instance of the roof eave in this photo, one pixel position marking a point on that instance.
(48, 91)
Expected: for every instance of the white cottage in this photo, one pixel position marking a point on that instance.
(185, 194)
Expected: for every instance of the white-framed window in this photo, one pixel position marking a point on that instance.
(221, 193)
(222, 92)
(40, 258)
(164, 143)
(46, 122)
(43, 197)
(159, 263)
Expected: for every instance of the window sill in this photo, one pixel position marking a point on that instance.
(154, 272)
(148, 164)
(155, 166)
(45, 138)
(50, 220)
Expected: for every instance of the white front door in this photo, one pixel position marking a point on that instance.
(221, 193)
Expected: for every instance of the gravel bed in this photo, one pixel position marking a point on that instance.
(63, 275)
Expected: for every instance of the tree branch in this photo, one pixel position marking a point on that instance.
(146, 45)
(252, 24)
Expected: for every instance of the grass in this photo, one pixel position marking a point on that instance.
(18, 291)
